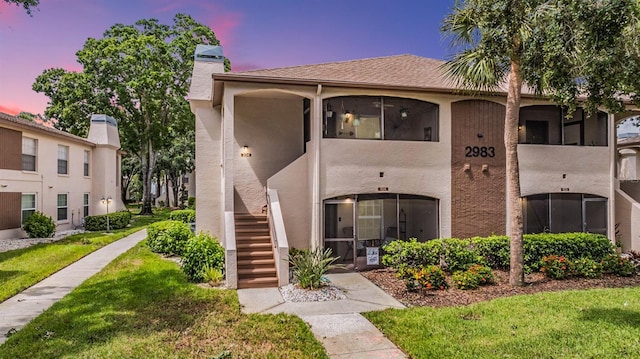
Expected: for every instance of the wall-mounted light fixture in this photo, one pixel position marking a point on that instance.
(520, 127)
(107, 201)
(245, 151)
(485, 168)
(466, 167)
(50, 187)
(329, 111)
(404, 113)
(3, 185)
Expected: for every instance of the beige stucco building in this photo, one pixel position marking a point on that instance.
(64, 176)
(351, 155)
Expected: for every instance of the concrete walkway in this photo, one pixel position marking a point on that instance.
(337, 324)
(20, 309)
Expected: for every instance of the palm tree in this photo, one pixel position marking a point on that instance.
(548, 45)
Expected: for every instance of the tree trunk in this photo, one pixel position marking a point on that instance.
(148, 164)
(166, 189)
(514, 204)
(176, 188)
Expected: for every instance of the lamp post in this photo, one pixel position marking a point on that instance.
(106, 200)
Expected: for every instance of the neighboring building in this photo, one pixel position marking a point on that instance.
(351, 155)
(64, 176)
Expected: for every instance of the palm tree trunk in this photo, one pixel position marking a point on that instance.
(514, 205)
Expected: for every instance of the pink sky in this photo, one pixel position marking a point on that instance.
(254, 34)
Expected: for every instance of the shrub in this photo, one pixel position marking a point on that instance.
(191, 203)
(587, 268)
(556, 267)
(309, 266)
(459, 254)
(402, 255)
(615, 264)
(117, 220)
(429, 277)
(184, 215)
(213, 276)
(202, 252)
(473, 277)
(38, 225)
(568, 245)
(494, 249)
(168, 237)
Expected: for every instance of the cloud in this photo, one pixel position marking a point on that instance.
(10, 109)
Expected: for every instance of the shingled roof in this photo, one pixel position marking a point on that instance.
(29, 125)
(399, 71)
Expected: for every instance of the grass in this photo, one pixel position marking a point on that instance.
(22, 268)
(599, 323)
(141, 306)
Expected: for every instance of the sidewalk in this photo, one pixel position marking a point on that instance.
(20, 309)
(337, 324)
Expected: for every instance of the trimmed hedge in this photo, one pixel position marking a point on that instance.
(183, 215)
(459, 254)
(191, 203)
(117, 220)
(168, 237)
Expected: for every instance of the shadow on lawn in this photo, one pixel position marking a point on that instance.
(616, 316)
(138, 301)
(6, 275)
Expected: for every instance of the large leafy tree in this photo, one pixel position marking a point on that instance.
(140, 75)
(567, 50)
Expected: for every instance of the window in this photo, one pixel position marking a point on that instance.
(380, 118)
(85, 205)
(63, 209)
(87, 154)
(29, 151)
(565, 212)
(63, 160)
(550, 125)
(28, 205)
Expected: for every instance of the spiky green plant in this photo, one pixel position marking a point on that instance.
(309, 266)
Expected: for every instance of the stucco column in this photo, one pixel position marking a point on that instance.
(611, 207)
(228, 149)
(316, 201)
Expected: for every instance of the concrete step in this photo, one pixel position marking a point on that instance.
(252, 231)
(256, 272)
(250, 217)
(253, 239)
(255, 254)
(256, 262)
(253, 245)
(266, 282)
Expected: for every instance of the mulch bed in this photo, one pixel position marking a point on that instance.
(534, 283)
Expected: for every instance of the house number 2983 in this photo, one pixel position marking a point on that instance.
(475, 151)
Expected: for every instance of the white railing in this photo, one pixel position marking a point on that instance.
(231, 256)
(279, 237)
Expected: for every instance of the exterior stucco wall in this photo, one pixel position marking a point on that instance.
(293, 191)
(208, 178)
(273, 131)
(628, 219)
(570, 169)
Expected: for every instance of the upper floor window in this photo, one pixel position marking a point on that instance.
(381, 118)
(550, 125)
(29, 153)
(87, 155)
(63, 160)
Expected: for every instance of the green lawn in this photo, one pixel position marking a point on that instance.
(599, 323)
(22, 268)
(141, 306)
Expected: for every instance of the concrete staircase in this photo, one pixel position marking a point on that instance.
(256, 263)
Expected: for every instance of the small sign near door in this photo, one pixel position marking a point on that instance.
(373, 256)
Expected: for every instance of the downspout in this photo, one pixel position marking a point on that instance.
(611, 207)
(316, 211)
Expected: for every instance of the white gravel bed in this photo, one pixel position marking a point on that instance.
(17, 243)
(293, 293)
